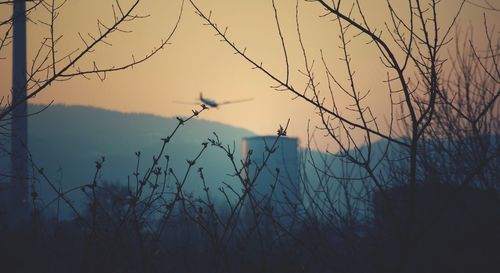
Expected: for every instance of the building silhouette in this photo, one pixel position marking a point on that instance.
(276, 188)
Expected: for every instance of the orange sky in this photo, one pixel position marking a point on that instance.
(197, 62)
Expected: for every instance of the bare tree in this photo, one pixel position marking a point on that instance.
(425, 108)
(49, 66)
(366, 207)
(462, 141)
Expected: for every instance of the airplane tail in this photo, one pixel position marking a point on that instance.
(201, 96)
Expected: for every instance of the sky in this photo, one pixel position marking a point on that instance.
(196, 61)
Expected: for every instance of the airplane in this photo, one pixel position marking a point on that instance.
(214, 104)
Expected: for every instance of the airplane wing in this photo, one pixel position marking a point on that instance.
(235, 101)
(186, 102)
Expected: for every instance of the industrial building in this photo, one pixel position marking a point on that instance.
(277, 186)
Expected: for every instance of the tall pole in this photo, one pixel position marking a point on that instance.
(19, 140)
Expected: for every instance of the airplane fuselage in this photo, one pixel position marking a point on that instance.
(209, 102)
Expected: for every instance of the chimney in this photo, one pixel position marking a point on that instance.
(19, 127)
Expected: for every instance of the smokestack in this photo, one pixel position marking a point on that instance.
(19, 127)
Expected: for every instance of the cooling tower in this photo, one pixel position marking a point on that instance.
(280, 190)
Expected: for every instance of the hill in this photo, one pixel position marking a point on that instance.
(67, 140)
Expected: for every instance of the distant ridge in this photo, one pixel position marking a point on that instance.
(67, 140)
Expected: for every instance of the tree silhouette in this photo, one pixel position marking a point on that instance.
(416, 193)
(437, 114)
(49, 66)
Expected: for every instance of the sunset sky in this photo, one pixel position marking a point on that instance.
(197, 62)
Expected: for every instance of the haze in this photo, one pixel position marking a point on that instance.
(197, 62)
